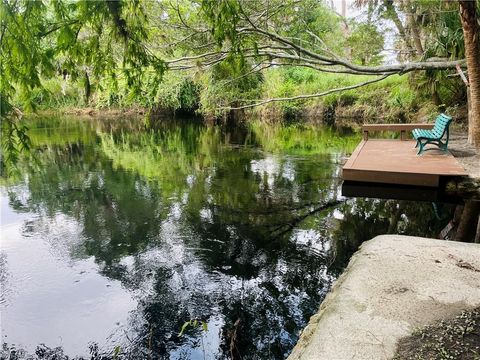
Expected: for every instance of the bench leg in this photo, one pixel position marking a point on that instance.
(416, 145)
(442, 146)
(420, 150)
(445, 146)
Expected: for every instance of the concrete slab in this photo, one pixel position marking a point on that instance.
(393, 285)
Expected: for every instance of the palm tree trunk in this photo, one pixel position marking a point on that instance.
(471, 31)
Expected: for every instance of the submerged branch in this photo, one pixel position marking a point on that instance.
(292, 224)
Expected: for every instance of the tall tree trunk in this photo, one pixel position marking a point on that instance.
(414, 28)
(467, 225)
(471, 35)
(87, 88)
(392, 14)
(344, 8)
(437, 100)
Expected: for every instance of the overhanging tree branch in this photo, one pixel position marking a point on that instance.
(267, 46)
(309, 96)
(396, 68)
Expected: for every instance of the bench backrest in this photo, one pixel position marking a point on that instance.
(441, 125)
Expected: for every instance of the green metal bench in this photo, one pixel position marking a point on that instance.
(435, 136)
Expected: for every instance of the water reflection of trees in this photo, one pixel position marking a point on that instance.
(364, 219)
(187, 222)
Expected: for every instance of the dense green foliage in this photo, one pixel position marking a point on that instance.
(365, 42)
(115, 53)
(205, 57)
(82, 40)
(213, 58)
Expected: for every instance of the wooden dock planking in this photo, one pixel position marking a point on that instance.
(397, 162)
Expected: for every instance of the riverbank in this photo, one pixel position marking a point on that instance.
(105, 112)
(392, 286)
(465, 153)
(313, 113)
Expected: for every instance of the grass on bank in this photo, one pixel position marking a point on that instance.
(396, 97)
(403, 97)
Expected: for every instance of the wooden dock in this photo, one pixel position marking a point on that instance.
(396, 162)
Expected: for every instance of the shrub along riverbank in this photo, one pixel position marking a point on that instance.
(404, 98)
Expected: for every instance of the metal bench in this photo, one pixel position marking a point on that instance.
(435, 136)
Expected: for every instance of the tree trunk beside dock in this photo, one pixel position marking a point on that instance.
(471, 32)
(467, 227)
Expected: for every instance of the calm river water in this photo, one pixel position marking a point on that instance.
(114, 236)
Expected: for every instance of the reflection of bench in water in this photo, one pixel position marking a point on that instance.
(395, 161)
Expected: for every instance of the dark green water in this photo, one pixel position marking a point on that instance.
(113, 236)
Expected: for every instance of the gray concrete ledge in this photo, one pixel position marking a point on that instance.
(393, 285)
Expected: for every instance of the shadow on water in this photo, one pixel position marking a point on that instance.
(116, 236)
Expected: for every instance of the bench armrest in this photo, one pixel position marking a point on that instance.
(403, 128)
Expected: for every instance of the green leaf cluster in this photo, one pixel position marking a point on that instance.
(193, 323)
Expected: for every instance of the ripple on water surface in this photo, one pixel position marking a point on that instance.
(120, 238)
